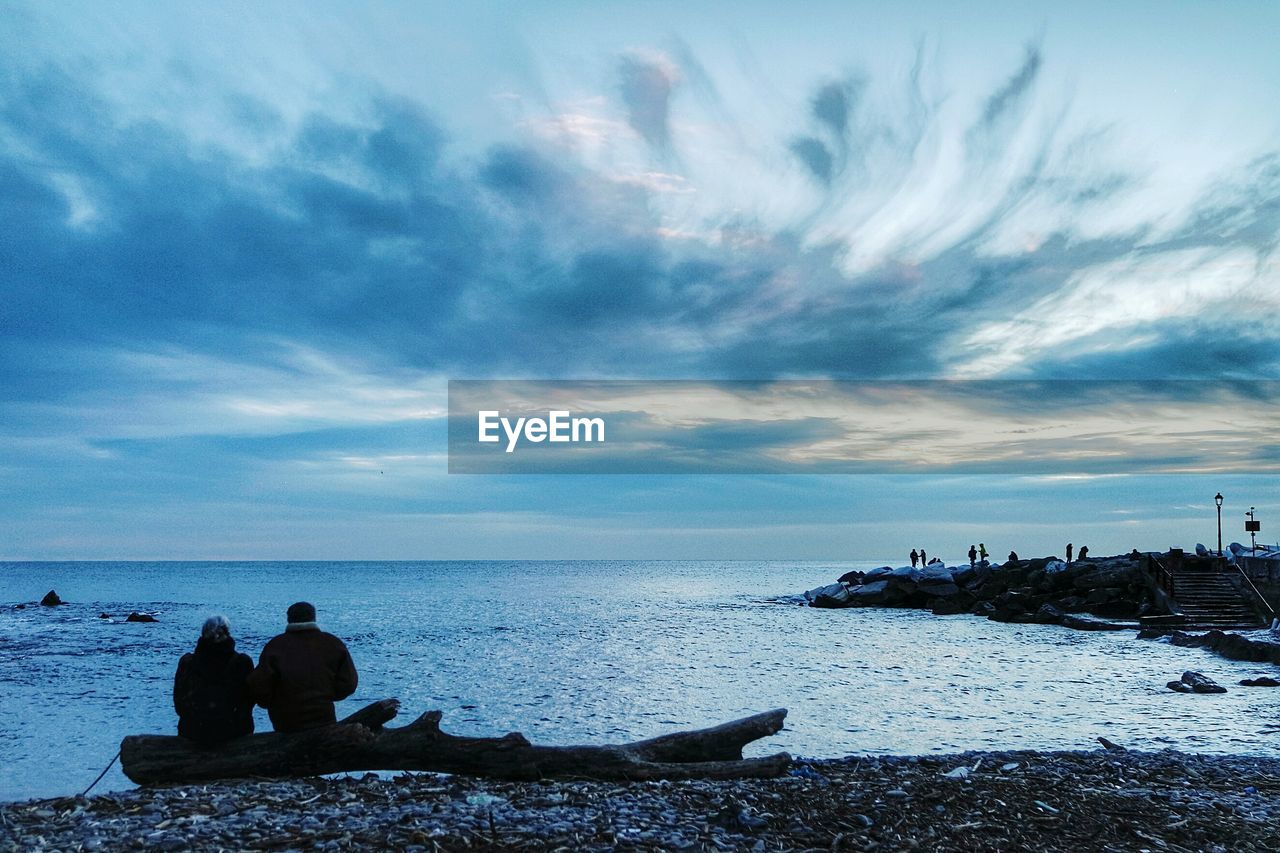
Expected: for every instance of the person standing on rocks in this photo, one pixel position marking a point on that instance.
(914, 558)
(973, 556)
(922, 557)
(982, 552)
(210, 692)
(301, 673)
(1068, 553)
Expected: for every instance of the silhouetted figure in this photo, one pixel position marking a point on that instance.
(1084, 551)
(301, 673)
(982, 552)
(1135, 554)
(973, 556)
(922, 557)
(935, 562)
(209, 689)
(1013, 556)
(915, 558)
(1068, 553)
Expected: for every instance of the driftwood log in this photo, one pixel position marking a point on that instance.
(360, 742)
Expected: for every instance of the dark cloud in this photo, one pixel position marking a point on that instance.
(522, 174)
(832, 106)
(646, 85)
(1176, 350)
(816, 158)
(1014, 92)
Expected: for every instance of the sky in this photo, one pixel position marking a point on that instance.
(244, 247)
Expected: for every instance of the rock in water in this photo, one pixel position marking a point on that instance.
(1200, 683)
(51, 599)
(1179, 686)
(1083, 623)
(140, 617)
(1264, 681)
(832, 595)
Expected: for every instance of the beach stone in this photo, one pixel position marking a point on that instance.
(51, 599)
(140, 617)
(877, 574)
(1264, 681)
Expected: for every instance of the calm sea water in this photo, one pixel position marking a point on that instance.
(571, 652)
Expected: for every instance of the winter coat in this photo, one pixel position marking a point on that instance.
(299, 676)
(210, 693)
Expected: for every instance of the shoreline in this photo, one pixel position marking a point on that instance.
(1053, 801)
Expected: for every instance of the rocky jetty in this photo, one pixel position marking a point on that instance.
(1088, 594)
(1262, 647)
(1069, 801)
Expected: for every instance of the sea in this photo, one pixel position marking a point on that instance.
(595, 652)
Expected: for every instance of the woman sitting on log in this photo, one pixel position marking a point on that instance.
(209, 690)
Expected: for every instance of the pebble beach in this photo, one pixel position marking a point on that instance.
(1108, 800)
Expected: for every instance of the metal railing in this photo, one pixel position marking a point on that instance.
(1164, 578)
(1271, 612)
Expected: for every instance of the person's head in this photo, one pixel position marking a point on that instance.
(216, 629)
(301, 613)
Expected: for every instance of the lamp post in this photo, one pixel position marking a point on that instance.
(1217, 499)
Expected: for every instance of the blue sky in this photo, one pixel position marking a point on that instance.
(244, 247)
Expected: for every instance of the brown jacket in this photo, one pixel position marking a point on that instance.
(299, 676)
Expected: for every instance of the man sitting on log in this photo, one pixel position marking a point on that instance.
(301, 673)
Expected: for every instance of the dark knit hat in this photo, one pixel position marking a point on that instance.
(301, 612)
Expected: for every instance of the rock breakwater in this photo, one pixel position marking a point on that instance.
(1102, 593)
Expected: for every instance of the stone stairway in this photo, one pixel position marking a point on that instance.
(1208, 600)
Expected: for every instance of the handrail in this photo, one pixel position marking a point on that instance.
(1260, 596)
(1164, 578)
